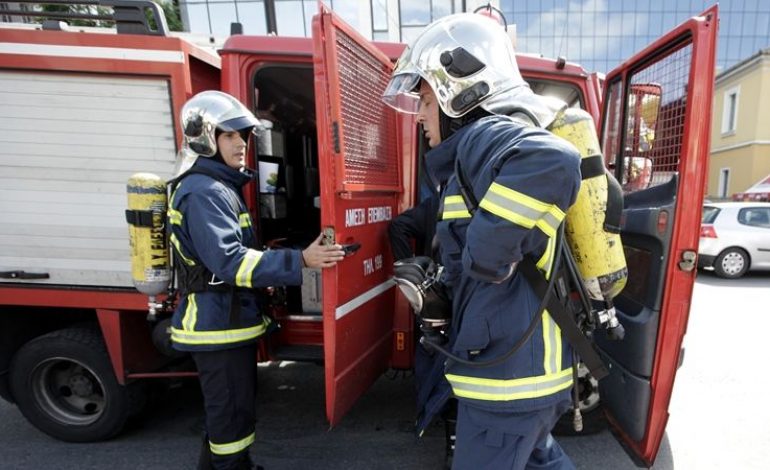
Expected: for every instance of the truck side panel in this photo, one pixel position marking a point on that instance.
(68, 143)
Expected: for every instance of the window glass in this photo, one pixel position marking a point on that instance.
(755, 216)
(252, 15)
(222, 14)
(288, 15)
(415, 13)
(380, 15)
(441, 8)
(709, 214)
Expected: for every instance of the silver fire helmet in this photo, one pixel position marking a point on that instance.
(467, 60)
(201, 116)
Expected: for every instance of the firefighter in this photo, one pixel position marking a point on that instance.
(218, 266)
(504, 203)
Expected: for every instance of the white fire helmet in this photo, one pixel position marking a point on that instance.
(467, 59)
(202, 116)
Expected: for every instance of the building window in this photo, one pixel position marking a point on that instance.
(724, 182)
(730, 110)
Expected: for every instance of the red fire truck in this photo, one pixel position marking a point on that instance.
(82, 111)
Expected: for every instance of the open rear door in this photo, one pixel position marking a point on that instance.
(360, 190)
(655, 134)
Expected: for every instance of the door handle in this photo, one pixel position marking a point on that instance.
(23, 275)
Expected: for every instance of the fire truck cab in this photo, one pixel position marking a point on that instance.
(335, 159)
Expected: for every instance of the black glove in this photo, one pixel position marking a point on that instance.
(418, 279)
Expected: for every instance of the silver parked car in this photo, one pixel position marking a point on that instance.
(735, 237)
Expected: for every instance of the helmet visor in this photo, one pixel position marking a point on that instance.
(401, 93)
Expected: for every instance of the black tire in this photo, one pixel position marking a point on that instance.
(732, 263)
(64, 385)
(590, 408)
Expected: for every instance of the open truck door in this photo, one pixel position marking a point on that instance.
(655, 134)
(361, 186)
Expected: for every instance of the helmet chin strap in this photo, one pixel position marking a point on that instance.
(448, 125)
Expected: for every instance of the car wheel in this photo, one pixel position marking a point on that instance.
(732, 263)
(64, 384)
(590, 408)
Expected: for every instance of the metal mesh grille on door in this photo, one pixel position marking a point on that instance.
(370, 144)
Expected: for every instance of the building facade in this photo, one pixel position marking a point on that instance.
(598, 34)
(740, 133)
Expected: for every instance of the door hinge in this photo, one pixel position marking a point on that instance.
(689, 258)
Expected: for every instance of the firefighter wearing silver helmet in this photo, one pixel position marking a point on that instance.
(506, 184)
(218, 265)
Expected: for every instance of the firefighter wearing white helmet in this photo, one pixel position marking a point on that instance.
(510, 368)
(218, 267)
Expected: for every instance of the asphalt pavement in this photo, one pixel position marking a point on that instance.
(719, 419)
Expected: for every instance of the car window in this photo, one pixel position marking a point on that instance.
(709, 214)
(755, 216)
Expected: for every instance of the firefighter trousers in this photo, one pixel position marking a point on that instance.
(505, 440)
(228, 381)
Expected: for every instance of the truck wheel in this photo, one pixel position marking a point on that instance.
(64, 385)
(732, 263)
(590, 408)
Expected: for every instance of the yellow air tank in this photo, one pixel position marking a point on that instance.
(593, 241)
(146, 217)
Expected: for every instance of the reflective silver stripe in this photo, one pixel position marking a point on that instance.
(249, 262)
(348, 307)
(232, 447)
(521, 209)
(454, 208)
(217, 337)
(508, 390)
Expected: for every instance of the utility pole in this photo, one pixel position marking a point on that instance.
(272, 27)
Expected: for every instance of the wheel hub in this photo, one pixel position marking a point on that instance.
(81, 386)
(732, 263)
(68, 391)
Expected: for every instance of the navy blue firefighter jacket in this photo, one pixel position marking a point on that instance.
(524, 179)
(210, 225)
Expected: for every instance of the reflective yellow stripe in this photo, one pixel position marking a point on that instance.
(174, 217)
(511, 389)
(454, 208)
(190, 314)
(244, 220)
(178, 246)
(217, 337)
(546, 261)
(232, 447)
(552, 345)
(521, 209)
(250, 261)
(547, 346)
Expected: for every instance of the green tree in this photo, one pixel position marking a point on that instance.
(170, 10)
